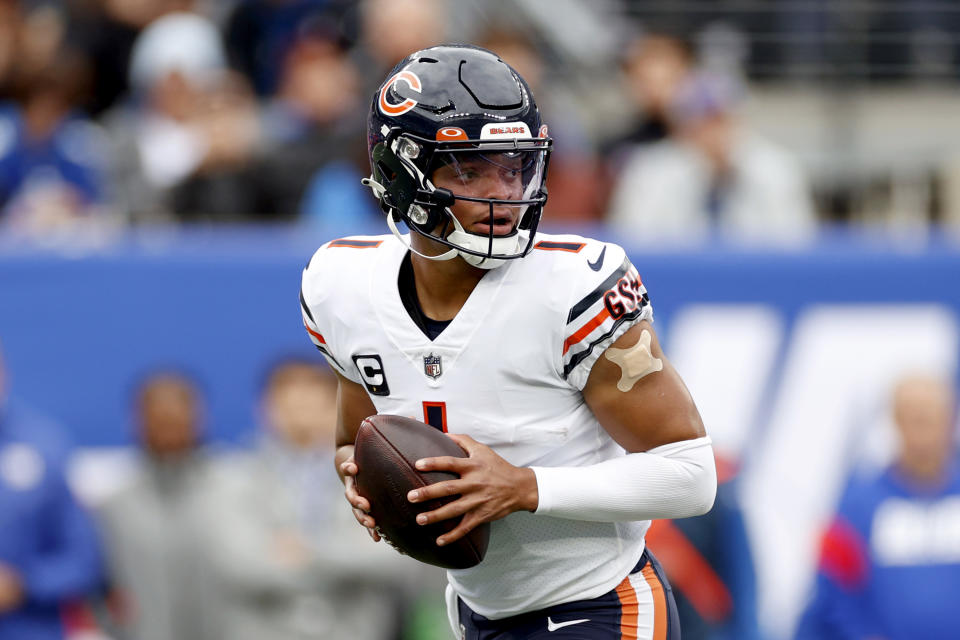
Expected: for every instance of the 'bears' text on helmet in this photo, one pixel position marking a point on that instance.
(460, 116)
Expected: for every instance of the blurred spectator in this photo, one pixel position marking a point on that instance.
(155, 527)
(710, 566)
(890, 561)
(655, 68)
(221, 189)
(190, 132)
(39, 38)
(315, 136)
(391, 29)
(291, 561)
(713, 176)
(49, 554)
(259, 34)
(10, 18)
(53, 160)
(575, 182)
(106, 31)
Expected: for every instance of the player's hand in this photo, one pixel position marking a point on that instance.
(361, 506)
(489, 487)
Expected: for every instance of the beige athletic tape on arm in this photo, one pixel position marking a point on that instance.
(635, 362)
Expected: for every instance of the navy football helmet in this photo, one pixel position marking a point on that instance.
(455, 123)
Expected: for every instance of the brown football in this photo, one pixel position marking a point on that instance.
(387, 448)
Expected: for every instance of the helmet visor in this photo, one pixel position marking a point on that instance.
(500, 174)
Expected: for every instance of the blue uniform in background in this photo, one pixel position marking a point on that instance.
(47, 538)
(709, 564)
(73, 155)
(890, 563)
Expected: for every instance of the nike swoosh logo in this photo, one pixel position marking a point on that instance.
(599, 261)
(553, 626)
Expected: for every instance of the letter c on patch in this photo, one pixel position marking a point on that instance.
(390, 109)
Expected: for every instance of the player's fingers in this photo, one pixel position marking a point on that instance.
(443, 463)
(450, 510)
(373, 534)
(353, 497)
(466, 526)
(360, 503)
(364, 518)
(466, 442)
(445, 512)
(436, 490)
(349, 467)
(356, 500)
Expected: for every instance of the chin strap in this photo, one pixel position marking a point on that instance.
(377, 188)
(446, 255)
(378, 191)
(501, 245)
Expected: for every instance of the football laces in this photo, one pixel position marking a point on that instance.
(388, 541)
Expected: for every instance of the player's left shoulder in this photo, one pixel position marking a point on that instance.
(604, 297)
(580, 261)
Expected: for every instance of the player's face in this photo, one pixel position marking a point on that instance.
(495, 176)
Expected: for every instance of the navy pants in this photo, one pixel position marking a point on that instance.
(639, 608)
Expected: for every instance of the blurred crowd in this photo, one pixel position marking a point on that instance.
(196, 541)
(133, 111)
(129, 112)
(200, 541)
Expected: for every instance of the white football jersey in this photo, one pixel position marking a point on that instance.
(508, 370)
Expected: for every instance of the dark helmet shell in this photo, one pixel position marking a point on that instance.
(452, 99)
(459, 87)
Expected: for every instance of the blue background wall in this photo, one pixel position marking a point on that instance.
(79, 327)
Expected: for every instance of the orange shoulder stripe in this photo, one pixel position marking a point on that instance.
(315, 334)
(585, 330)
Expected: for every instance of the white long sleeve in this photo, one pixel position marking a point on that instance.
(677, 480)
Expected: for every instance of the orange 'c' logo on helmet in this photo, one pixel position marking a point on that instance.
(401, 108)
(451, 133)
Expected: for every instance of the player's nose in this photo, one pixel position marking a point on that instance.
(502, 187)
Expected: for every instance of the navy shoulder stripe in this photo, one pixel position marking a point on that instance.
(355, 244)
(306, 309)
(591, 298)
(327, 353)
(572, 247)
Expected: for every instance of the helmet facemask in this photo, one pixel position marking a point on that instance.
(505, 175)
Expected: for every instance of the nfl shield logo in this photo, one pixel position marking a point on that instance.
(432, 366)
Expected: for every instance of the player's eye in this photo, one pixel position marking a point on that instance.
(468, 174)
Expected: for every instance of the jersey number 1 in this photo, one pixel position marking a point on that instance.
(435, 415)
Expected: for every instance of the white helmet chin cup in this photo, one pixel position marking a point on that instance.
(504, 245)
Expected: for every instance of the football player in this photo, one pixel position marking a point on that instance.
(535, 353)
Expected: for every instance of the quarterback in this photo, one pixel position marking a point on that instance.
(535, 352)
